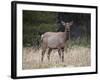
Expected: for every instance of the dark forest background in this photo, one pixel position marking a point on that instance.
(35, 23)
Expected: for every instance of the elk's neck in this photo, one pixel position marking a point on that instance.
(66, 35)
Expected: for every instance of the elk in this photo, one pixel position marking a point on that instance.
(56, 40)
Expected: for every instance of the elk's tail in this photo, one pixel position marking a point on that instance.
(41, 37)
(41, 40)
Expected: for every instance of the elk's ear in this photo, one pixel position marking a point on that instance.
(71, 23)
(63, 23)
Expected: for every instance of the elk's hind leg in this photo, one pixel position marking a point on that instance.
(43, 52)
(62, 54)
(59, 52)
(49, 51)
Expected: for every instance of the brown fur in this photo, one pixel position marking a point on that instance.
(55, 40)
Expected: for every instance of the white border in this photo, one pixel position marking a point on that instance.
(34, 72)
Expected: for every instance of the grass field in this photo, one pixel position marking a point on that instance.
(76, 56)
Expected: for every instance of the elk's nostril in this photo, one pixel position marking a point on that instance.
(68, 30)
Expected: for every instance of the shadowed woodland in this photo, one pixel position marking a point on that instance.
(35, 23)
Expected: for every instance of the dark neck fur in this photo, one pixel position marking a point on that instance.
(67, 34)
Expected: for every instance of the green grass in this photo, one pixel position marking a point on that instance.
(85, 42)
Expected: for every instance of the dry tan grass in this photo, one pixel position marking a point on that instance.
(74, 57)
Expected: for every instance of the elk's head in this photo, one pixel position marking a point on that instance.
(67, 25)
